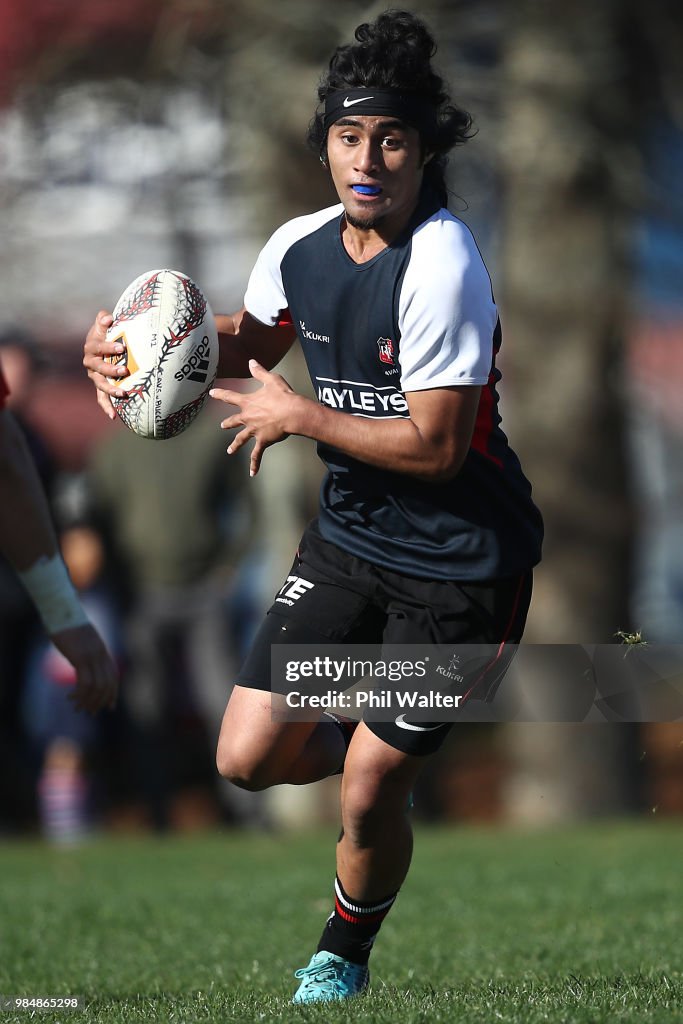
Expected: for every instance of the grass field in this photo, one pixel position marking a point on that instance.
(578, 925)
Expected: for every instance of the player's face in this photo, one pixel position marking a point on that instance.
(376, 165)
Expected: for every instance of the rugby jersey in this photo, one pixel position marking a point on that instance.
(418, 315)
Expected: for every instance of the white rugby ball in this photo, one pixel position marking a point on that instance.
(171, 352)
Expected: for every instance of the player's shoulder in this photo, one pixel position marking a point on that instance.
(444, 249)
(294, 230)
(443, 233)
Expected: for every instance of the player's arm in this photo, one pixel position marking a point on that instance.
(28, 542)
(241, 337)
(431, 444)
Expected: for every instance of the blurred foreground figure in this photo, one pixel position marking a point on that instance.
(427, 532)
(28, 542)
(20, 627)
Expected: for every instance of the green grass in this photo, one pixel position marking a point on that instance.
(581, 925)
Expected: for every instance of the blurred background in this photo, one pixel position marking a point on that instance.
(136, 135)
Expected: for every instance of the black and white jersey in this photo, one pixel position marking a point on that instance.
(419, 315)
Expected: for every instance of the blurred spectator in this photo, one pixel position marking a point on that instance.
(64, 739)
(179, 520)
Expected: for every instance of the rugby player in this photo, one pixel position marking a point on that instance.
(427, 532)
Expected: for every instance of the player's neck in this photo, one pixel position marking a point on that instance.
(363, 243)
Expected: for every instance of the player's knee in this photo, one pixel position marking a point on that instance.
(244, 771)
(247, 764)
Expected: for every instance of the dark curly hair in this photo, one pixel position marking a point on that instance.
(394, 52)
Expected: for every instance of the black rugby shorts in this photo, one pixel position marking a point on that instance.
(331, 596)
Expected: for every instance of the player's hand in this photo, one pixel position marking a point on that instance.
(97, 681)
(103, 375)
(266, 414)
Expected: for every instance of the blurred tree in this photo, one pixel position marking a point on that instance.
(580, 84)
(565, 157)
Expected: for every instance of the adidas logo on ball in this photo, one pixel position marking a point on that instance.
(197, 366)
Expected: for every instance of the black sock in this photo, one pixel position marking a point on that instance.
(352, 927)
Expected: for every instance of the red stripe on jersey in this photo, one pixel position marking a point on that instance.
(4, 390)
(491, 664)
(284, 318)
(485, 422)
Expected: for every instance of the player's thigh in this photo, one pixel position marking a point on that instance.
(316, 606)
(261, 732)
(259, 738)
(472, 630)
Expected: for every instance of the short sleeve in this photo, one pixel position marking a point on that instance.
(265, 296)
(447, 316)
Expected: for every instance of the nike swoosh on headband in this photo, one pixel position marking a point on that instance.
(402, 724)
(351, 103)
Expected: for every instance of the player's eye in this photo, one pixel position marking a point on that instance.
(349, 139)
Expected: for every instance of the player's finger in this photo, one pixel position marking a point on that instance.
(231, 397)
(94, 362)
(92, 682)
(239, 440)
(109, 387)
(106, 405)
(103, 382)
(104, 402)
(94, 357)
(260, 373)
(89, 690)
(107, 682)
(232, 422)
(257, 371)
(98, 332)
(100, 371)
(110, 368)
(255, 460)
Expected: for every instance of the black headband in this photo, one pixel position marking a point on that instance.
(416, 111)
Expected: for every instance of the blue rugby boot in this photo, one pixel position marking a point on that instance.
(329, 977)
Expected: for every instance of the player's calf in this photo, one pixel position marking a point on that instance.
(376, 788)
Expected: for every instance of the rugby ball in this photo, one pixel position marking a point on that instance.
(171, 352)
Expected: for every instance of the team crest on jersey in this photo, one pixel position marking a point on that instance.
(386, 351)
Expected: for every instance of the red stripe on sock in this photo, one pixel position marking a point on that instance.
(353, 919)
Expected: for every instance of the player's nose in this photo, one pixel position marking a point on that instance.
(367, 157)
